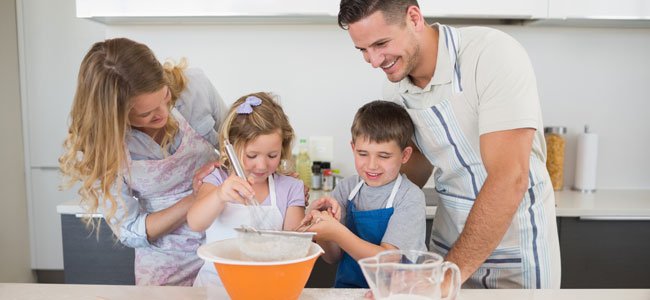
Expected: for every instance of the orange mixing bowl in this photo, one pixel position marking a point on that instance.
(282, 280)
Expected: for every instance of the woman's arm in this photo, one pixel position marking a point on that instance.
(167, 220)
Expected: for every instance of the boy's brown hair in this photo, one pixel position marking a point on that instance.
(383, 121)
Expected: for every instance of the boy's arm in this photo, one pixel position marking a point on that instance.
(332, 231)
(332, 251)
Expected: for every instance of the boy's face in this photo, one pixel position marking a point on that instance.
(378, 163)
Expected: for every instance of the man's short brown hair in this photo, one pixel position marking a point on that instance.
(351, 11)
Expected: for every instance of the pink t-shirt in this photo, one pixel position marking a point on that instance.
(289, 191)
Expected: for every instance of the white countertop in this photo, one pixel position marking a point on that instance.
(631, 204)
(71, 292)
(622, 204)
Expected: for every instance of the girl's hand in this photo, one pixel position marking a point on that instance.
(324, 224)
(235, 189)
(326, 204)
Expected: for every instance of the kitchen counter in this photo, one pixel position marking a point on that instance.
(619, 204)
(71, 292)
(622, 204)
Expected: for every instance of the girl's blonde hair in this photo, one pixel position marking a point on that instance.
(242, 128)
(111, 74)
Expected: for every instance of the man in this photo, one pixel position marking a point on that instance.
(472, 95)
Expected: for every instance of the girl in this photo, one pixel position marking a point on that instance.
(261, 136)
(138, 132)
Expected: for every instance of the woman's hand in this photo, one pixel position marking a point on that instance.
(295, 175)
(197, 180)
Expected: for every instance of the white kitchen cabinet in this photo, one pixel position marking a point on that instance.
(499, 9)
(599, 9)
(51, 46)
(45, 223)
(115, 11)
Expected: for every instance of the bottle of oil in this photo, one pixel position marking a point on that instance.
(303, 162)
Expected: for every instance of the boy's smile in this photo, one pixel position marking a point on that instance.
(378, 163)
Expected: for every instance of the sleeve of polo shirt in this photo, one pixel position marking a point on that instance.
(506, 86)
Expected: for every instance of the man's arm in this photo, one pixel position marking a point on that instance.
(506, 157)
(418, 168)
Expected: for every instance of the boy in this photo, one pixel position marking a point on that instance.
(380, 208)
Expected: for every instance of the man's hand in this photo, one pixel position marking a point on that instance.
(197, 180)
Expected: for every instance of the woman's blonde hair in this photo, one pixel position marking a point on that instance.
(111, 74)
(242, 128)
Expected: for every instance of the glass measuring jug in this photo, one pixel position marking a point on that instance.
(409, 274)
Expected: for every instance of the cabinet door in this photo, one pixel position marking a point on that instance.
(204, 8)
(91, 258)
(519, 9)
(599, 9)
(604, 253)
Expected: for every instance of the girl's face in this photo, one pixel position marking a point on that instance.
(262, 156)
(150, 111)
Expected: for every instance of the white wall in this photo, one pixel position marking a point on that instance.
(589, 76)
(597, 76)
(14, 237)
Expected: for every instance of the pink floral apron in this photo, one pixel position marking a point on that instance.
(158, 184)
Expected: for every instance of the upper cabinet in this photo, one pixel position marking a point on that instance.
(314, 11)
(109, 11)
(497, 9)
(599, 9)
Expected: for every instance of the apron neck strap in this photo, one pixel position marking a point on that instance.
(452, 41)
(393, 192)
(272, 190)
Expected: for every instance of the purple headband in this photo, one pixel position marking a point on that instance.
(247, 106)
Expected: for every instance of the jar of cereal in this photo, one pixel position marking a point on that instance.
(555, 143)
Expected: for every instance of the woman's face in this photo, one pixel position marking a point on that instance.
(262, 156)
(150, 111)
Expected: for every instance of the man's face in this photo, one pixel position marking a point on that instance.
(391, 47)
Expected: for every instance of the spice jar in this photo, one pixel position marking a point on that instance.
(555, 143)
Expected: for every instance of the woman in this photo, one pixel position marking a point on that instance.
(139, 131)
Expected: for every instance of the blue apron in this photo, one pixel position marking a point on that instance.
(370, 226)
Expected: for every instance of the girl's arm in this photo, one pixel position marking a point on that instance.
(294, 215)
(211, 200)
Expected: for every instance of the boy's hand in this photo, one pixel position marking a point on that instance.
(326, 204)
(197, 180)
(326, 228)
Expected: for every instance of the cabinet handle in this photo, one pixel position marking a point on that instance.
(616, 218)
(89, 215)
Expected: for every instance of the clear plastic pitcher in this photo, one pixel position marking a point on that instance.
(409, 274)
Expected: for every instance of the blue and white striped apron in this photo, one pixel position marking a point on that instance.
(526, 257)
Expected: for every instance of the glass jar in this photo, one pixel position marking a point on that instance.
(555, 144)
